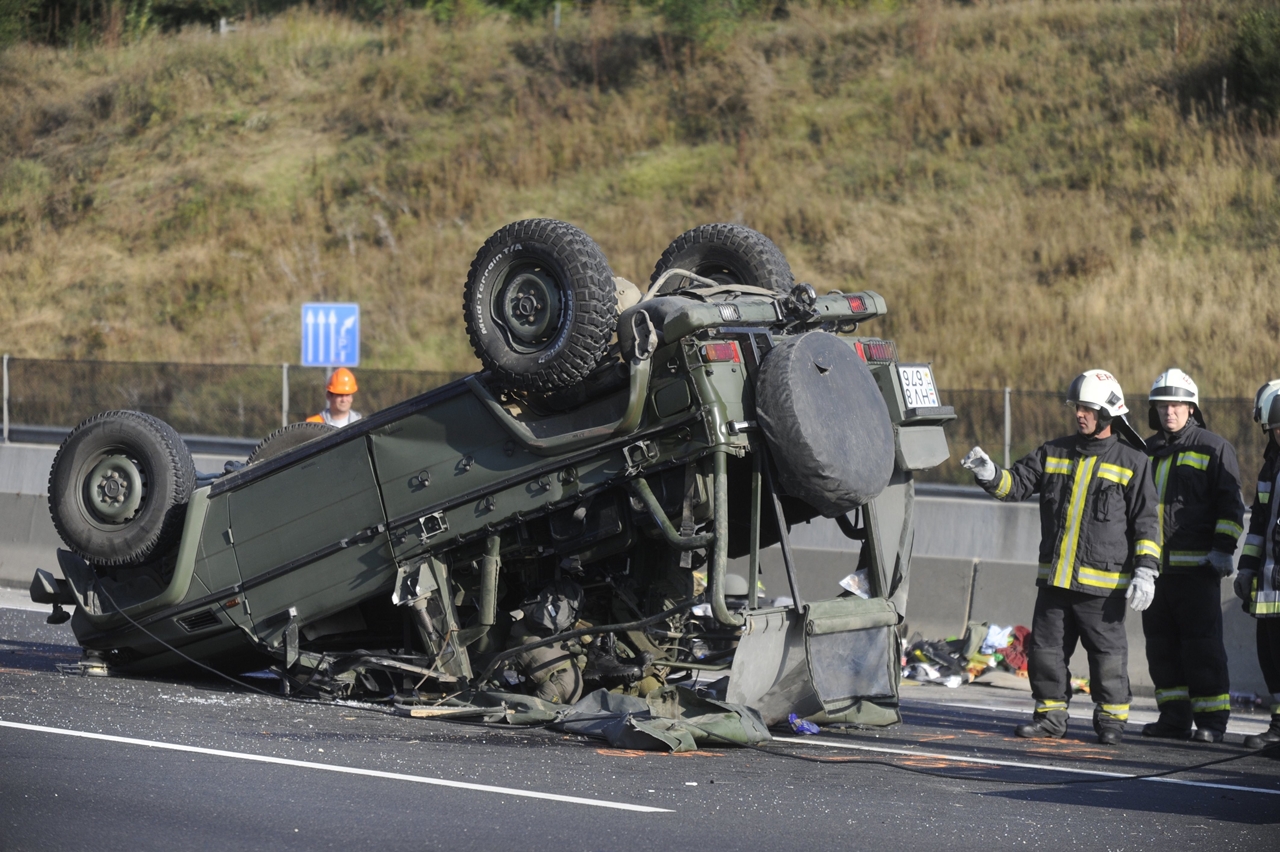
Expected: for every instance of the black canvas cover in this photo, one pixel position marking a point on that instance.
(825, 422)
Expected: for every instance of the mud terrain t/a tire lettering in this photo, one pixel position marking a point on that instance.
(540, 305)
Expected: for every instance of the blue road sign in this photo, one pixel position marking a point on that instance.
(330, 334)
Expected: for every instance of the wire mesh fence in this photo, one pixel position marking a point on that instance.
(1038, 416)
(250, 401)
(225, 400)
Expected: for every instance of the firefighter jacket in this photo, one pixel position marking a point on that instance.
(1098, 518)
(1261, 542)
(1197, 495)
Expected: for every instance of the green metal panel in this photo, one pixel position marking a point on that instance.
(298, 544)
(216, 563)
(456, 443)
(304, 508)
(321, 588)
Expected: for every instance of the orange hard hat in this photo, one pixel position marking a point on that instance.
(343, 381)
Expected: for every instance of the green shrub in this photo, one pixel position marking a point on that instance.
(14, 18)
(1257, 58)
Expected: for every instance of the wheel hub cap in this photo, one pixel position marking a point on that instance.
(529, 307)
(115, 489)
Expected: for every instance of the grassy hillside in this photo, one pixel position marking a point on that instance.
(1036, 187)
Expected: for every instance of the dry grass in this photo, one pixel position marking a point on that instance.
(1035, 187)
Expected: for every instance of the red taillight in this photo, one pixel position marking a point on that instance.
(879, 350)
(721, 352)
(856, 304)
(857, 345)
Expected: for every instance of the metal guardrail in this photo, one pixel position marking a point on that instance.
(244, 403)
(210, 445)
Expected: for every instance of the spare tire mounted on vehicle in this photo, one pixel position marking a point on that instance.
(825, 422)
(540, 305)
(119, 487)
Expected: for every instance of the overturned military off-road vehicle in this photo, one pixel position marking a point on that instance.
(562, 519)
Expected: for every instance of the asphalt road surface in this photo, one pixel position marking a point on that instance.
(115, 763)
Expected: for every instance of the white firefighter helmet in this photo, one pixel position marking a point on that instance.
(1257, 398)
(1270, 409)
(1099, 390)
(1173, 385)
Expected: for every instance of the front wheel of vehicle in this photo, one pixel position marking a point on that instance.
(119, 488)
(540, 305)
(726, 254)
(286, 438)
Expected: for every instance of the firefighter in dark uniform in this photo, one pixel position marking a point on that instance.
(1258, 583)
(1099, 544)
(1201, 512)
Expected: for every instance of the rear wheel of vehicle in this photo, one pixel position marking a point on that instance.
(119, 488)
(540, 305)
(727, 254)
(286, 438)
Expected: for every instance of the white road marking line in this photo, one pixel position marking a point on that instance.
(346, 770)
(1017, 765)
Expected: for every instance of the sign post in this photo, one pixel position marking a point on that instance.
(331, 334)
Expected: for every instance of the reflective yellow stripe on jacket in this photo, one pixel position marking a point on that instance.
(1200, 461)
(1103, 579)
(1075, 513)
(1115, 473)
(1054, 464)
(1162, 481)
(1264, 493)
(1226, 526)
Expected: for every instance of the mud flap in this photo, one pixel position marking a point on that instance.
(836, 662)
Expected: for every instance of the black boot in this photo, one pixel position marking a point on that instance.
(1037, 731)
(1166, 731)
(1270, 736)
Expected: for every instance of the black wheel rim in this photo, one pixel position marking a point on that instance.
(527, 307)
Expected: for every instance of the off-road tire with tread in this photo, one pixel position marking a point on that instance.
(286, 438)
(119, 488)
(730, 254)
(540, 305)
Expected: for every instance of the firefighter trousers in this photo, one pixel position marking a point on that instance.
(1185, 653)
(1268, 634)
(1063, 618)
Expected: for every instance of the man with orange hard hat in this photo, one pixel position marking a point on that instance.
(339, 393)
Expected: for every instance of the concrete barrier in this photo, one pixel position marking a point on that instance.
(940, 601)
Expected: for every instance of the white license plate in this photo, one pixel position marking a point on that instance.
(918, 389)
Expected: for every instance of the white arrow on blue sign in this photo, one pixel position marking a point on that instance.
(331, 334)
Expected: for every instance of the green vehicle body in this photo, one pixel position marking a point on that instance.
(418, 527)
